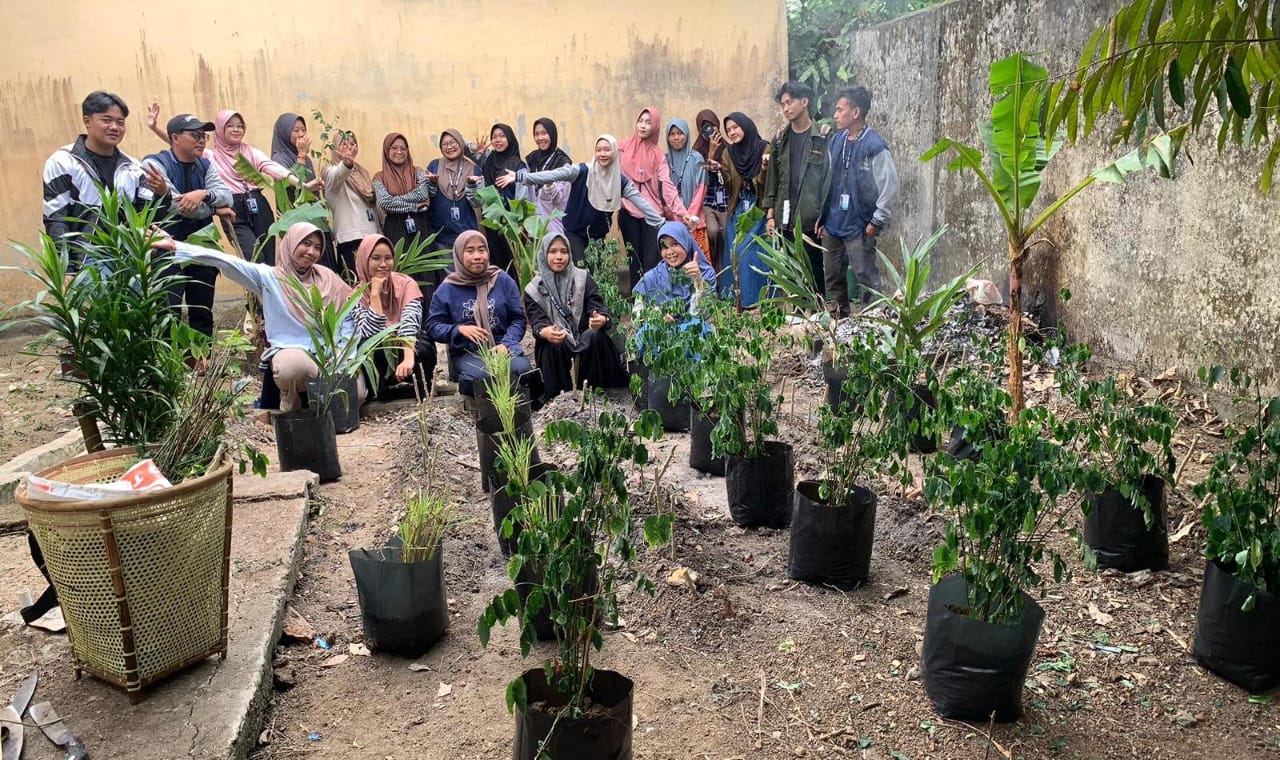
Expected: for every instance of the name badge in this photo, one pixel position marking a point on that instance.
(369, 213)
(455, 213)
(844, 201)
(786, 212)
(720, 196)
(410, 225)
(251, 204)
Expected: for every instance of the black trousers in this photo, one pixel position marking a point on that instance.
(599, 364)
(195, 287)
(424, 367)
(250, 228)
(643, 241)
(816, 256)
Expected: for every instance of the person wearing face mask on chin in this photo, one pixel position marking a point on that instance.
(596, 190)
(286, 324)
(568, 318)
(645, 165)
(391, 299)
(477, 305)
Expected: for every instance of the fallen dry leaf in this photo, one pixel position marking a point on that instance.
(335, 660)
(418, 667)
(682, 576)
(359, 650)
(296, 627)
(1182, 531)
(445, 690)
(1099, 617)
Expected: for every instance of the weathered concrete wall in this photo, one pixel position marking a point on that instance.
(1162, 273)
(416, 66)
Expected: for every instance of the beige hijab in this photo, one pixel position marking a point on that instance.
(331, 286)
(604, 184)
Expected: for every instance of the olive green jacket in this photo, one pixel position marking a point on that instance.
(815, 178)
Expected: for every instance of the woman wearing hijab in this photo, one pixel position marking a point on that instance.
(689, 176)
(548, 156)
(478, 305)
(715, 205)
(568, 318)
(348, 190)
(391, 299)
(643, 163)
(503, 156)
(401, 191)
(286, 324)
(291, 146)
(452, 180)
(595, 192)
(744, 178)
(253, 214)
(681, 275)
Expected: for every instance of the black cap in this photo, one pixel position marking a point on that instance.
(185, 122)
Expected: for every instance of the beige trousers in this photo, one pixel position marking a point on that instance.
(292, 368)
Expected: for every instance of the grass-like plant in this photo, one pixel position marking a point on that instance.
(426, 517)
(500, 387)
(338, 351)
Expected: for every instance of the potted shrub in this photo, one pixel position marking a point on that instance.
(669, 356)
(306, 438)
(759, 471)
(981, 625)
(833, 519)
(1239, 611)
(1130, 458)
(567, 708)
(605, 260)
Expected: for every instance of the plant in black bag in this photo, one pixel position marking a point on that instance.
(339, 353)
(982, 625)
(1129, 458)
(1239, 611)
(581, 548)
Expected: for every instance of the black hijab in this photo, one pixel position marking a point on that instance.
(283, 151)
(540, 160)
(747, 153)
(496, 163)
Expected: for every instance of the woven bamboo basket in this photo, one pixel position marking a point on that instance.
(142, 579)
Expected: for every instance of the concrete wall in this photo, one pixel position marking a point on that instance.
(416, 66)
(1163, 273)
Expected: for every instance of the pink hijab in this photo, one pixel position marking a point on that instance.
(331, 286)
(224, 152)
(398, 290)
(643, 160)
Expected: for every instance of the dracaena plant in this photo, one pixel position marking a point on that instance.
(337, 350)
(1000, 507)
(1242, 490)
(121, 343)
(582, 549)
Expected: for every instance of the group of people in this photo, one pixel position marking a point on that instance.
(676, 210)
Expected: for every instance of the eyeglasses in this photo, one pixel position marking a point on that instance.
(198, 135)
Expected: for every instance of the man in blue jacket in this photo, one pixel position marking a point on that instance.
(864, 190)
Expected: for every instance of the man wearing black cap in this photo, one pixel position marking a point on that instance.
(198, 194)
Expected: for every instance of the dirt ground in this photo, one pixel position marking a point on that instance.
(748, 664)
(34, 403)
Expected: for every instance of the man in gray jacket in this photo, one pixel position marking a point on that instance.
(864, 190)
(198, 195)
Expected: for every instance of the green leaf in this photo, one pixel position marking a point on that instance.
(1177, 87)
(657, 529)
(517, 695)
(1237, 92)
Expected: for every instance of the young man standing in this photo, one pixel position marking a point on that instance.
(71, 199)
(198, 194)
(795, 189)
(864, 189)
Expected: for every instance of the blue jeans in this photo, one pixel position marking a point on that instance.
(746, 253)
(469, 368)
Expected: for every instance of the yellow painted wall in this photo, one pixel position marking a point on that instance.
(416, 66)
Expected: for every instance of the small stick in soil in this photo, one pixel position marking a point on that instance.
(760, 713)
(1177, 474)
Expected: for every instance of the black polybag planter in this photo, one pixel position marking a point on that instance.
(675, 417)
(488, 435)
(700, 457)
(1117, 531)
(603, 733)
(532, 574)
(344, 407)
(921, 397)
(403, 606)
(834, 377)
(759, 488)
(831, 544)
(502, 503)
(1239, 646)
(306, 441)
(485, 410)
(972, 669)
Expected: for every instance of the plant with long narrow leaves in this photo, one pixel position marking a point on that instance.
(337, 350)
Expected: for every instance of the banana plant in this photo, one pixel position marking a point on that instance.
(1017, 150)
(520, 223)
